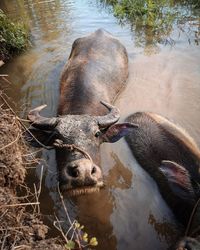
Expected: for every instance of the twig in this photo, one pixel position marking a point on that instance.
(31, 194)
(191, 217)
(32, 153)
(38, 192)
(1, 63)
(4, 239)
(63, 203)
(13, 228)
(3, 213)
(59, 228)
(31, 162)
(74, 232)
(6, 80)
(68, 217)
(25, 128)
(41, 177)
(23, 120)
(19, 204)
(11, 143)
(13, 244)
(37, 200)
(22, 247)
(70, 228)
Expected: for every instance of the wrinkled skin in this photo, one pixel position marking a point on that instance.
(96, 71)
(172, 158)
(77, 171)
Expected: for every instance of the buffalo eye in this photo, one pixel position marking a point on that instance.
(98, 133)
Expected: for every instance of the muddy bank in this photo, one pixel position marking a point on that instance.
(21, 226)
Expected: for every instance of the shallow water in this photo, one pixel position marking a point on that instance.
(164, 78)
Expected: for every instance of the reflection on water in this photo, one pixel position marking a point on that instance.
(130, 219)
(169, 85)
(118, 175)
(164, 229)
(42, 16)
(129, 213)
(153, 22)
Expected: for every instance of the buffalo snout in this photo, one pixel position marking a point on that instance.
(80, 176)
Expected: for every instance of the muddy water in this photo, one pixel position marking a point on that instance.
(164, 78)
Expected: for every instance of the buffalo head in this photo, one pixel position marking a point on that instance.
(77, 139)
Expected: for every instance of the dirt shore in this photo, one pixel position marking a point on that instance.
(20, 228)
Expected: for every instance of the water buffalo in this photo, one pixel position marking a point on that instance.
(172, 158)
(97, 69)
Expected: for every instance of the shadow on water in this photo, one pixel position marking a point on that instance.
(129, 213)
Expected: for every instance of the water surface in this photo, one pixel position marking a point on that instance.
(164, 77)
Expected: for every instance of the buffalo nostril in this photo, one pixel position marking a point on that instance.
(73, 171)
(94, 170)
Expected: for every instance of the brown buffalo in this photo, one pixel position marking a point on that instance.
(172, 158)
(97, 69)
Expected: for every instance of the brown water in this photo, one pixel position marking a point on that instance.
(164, 78)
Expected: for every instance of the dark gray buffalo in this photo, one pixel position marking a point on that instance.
(172, 158)
(97, 69)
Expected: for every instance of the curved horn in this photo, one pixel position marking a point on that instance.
(41, 122)
(109, 119)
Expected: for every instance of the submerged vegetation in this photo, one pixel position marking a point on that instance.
(153, 20)
(13, 37)
(151, 10)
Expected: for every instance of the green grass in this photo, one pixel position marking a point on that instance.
(151, 10)
(133, 9)
(13, 37)
(153, 20)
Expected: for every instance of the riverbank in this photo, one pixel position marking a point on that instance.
(14, 37)
(21, 222)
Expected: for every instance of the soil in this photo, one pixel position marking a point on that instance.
(20, 228)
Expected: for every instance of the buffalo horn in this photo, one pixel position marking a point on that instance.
(109, 119)
(41, 122)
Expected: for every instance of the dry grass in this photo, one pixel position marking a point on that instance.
(19, 229)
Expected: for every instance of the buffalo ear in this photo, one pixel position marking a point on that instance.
(178, 179)
(39, 138)
(117, 131)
